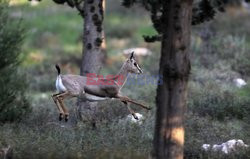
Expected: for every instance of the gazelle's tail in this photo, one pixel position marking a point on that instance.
(58, 69)
(59, 84)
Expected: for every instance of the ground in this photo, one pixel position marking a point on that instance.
(217, 109)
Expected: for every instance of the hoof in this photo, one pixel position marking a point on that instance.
(136, 117)
(60, 116)
(66, 117)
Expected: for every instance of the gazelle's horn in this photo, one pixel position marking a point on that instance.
(132, 55)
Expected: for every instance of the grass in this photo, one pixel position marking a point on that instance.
(41, 136)
(53, 36)
(50, 36)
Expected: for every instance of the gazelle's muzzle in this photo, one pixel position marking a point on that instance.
(140, 71)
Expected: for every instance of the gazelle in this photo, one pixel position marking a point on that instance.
(77, 86)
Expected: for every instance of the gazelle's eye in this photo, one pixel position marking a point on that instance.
(135, 64)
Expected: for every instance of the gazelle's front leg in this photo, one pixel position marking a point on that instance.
(58, 105)
(131, 111)
(127, 99)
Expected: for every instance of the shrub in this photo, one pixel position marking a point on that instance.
(204, 130)
(220, 53)
(242, 64)
(13, 103)
(219, 104)
(41, 135)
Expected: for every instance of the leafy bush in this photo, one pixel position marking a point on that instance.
(234, 50)
(229, 47)
(244, 92)
(219, 104)
(205, 130)
(41, 135)
(220, 53)
(242, 64)
(13, 103)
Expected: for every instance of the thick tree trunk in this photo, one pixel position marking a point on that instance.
(93, 53)
(175, 68)
(92, 37)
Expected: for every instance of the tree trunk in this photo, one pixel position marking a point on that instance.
(93, 54)
(92, 37)
(175, 68)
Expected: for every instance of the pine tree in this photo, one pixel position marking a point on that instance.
(13, 103)
(172, 19)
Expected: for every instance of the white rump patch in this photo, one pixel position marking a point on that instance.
(59, 85)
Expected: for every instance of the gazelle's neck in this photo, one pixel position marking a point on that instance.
(121, 76)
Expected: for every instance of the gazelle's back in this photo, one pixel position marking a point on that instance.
(74, 83)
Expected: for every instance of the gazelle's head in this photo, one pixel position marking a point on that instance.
(132, 66)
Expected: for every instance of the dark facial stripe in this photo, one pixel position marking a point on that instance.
(138, 67)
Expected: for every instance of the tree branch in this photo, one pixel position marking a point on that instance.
(79, 7)
(151, 39)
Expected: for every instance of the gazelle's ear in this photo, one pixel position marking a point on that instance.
(132, 55)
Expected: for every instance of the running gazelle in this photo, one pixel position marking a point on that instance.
(70, 86)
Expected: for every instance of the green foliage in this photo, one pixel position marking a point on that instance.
(219, 104)
(233, 49)
(71, 3)
(40, 135)
(13, 103)
(118, 26)
(244, 92)
(242, 64)
(203, 12)
(155, 8)
(205, 130)
(221, 52)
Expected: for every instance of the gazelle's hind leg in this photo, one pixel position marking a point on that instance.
(60, 98)
(131, 111)
(66, 112)
(58, 106)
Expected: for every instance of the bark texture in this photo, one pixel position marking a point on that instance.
(175, 68)
(93, 53)
(92, 37)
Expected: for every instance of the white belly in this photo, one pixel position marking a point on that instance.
(59, 85)
(93, 98)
